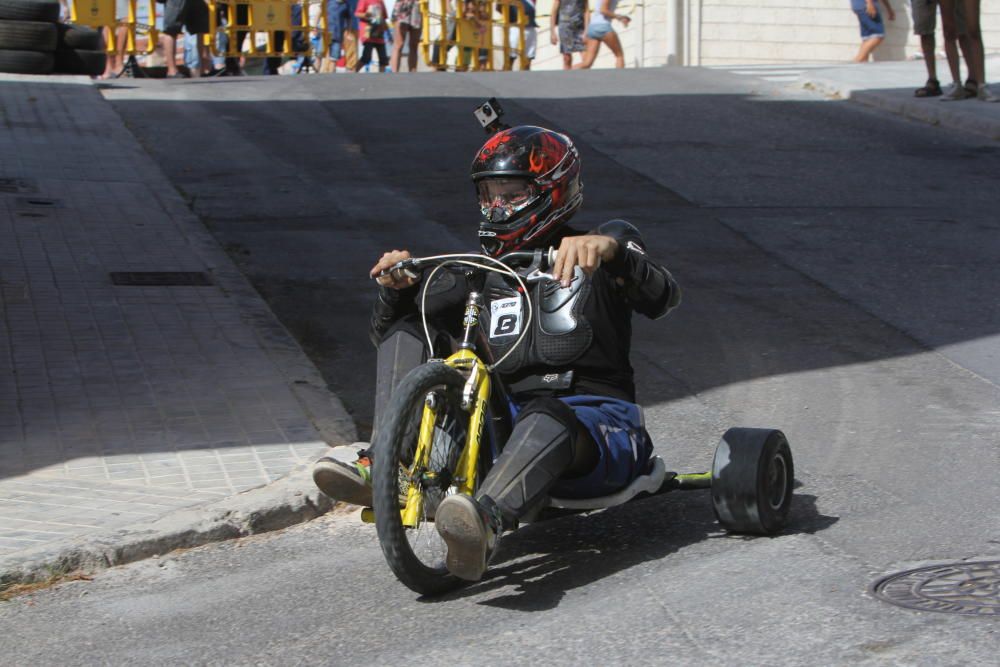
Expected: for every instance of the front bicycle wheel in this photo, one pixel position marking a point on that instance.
(401, 475)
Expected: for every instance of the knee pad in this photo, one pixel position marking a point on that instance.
(539, 451)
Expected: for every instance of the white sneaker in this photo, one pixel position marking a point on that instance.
(956, 93)
(984, 95)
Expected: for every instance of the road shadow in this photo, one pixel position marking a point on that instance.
(305, 193)
(539, 563)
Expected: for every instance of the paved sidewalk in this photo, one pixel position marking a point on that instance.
(889, 86)
(121, 404)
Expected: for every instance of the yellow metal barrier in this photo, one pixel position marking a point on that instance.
(101, 14)
(250, 17)
(470, 25)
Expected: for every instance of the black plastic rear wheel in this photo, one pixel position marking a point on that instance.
(752, 479)
(416, 554)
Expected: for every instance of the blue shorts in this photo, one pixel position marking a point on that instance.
(598, 30)
(624, 446)
(870, 27)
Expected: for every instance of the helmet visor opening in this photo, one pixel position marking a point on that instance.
(501, 198)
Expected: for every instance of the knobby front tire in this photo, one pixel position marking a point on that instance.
(393, 451)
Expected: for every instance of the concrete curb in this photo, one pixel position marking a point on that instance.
(951, 115)
(288, 501)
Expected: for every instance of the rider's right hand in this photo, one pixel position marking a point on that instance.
(396, 279)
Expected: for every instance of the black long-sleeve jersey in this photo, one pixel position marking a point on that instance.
(585, 328)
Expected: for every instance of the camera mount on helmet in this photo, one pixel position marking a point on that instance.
(488, 114)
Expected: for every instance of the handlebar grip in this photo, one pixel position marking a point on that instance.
(400, 270)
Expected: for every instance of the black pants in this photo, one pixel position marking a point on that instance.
(366, 55)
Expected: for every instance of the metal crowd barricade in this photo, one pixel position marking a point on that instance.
(470, 26)
(252, 17)
(101, 14)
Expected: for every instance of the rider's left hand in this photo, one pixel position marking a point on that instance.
(586, 251)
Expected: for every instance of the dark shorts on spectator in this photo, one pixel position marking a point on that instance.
(190, 14)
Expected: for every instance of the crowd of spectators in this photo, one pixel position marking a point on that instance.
(357, 30)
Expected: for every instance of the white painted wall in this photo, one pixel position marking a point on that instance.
(720, 32)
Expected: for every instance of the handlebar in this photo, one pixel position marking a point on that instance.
(412, 266)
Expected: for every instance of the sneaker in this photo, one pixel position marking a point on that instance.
(347, 482)
(984, 95)
(471, 533)
(955, 93)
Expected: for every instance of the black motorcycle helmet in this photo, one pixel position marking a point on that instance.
(528, 182)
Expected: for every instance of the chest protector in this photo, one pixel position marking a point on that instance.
(559, 333)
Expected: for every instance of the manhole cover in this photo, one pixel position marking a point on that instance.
(161, 278)
(972, 589)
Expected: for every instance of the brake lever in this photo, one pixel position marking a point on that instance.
(537, 275)
(403, 267)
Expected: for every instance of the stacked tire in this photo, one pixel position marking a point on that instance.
(80, 50)
(32, 41)
(28, 36)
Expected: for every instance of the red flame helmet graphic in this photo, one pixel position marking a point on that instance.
(549, 166)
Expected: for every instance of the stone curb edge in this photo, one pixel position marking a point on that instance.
(290, 500)
(928, 111)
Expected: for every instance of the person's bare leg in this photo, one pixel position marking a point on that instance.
(611, 39)
(112, 67)
(927, 46)
(170, 53)
(121, 43)
(397, 48)
(965, 46)
(867, 47)
(951, 53)
(590, 50)
(411, 57)
(977, 58)
(567, 60)
(953, 39)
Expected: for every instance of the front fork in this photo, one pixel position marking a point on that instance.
(475, 398)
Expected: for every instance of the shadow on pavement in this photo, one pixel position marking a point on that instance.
(305, 194)
(541, 562)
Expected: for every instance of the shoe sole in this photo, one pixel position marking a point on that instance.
(459, 525)
(341, 484)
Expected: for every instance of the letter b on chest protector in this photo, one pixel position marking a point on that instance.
(559, 334)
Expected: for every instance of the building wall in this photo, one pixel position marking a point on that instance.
(720, 32)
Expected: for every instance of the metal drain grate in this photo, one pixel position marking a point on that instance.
(971, 589)
(17, 186)
(161, 278)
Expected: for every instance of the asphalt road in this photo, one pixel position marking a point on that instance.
(839, 270)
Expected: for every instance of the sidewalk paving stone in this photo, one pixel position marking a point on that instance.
(889, 86)
(126, 403)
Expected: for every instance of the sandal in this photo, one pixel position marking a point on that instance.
(931, 89)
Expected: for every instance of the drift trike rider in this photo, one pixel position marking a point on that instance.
(578, 432)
